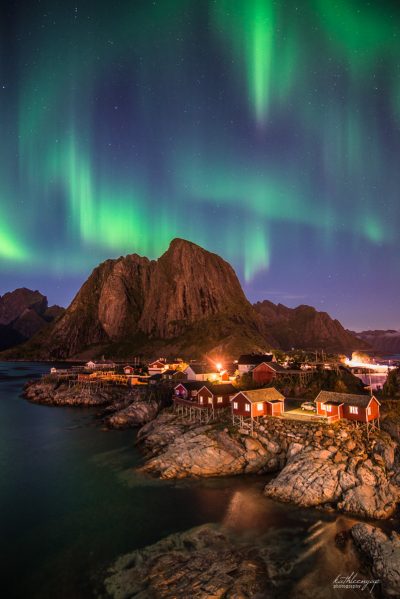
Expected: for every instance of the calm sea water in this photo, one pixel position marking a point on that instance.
(71, 502)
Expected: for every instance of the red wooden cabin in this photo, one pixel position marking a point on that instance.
(200, 401)
(359, 408)
(258, 402)
(204, 395)
(266, 372)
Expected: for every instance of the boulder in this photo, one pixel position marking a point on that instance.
(382, 553)
(308, 479)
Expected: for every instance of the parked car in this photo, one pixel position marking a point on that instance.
(309, 405)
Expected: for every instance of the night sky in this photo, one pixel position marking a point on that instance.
(266, 131)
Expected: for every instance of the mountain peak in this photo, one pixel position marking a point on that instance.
(188, 302)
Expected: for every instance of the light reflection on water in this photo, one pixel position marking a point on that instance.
(71, 502)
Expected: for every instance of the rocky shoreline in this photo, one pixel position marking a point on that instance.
(122, 407)
(207, 561)
(213, 561)
(317, 466)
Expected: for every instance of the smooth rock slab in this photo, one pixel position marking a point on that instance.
(202, 562)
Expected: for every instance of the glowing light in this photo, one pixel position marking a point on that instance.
(362, 361)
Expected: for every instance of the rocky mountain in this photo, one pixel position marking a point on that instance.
(188, 302)
(385, 342)
(23, 313)
(304, 327)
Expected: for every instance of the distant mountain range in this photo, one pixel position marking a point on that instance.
(188, 302)
(305, 327)
(23, 313)
(385, 342)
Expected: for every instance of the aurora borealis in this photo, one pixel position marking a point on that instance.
(266, 131)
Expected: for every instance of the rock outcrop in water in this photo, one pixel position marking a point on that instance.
(123, 407)
(23, 313)
(317, 465)
(281, 560)
(382, 553)
(207, 561)
(351, 481)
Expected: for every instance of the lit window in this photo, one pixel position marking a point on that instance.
(210, 400)
(353, 410)
(260, 407)
(201, 399)
(328, 408)
(219, 400)
(369, 411)
(247, 407)
(235, 405)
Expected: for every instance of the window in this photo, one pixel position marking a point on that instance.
(368, 411)
(219, 400)
(235, 405)
(210, 400)
(328, 408)
(201, 399)
(247, 407)
(353, 410)
(260, 407)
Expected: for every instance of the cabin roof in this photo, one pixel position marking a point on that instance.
(267, 394)
(221, 388)
(191, 385)
(255, 358)
(160, 361)
(350, 399)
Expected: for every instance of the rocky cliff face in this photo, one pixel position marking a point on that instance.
(189, 301)
(188, 285)
(106, 309)
(23, 313)
(304, 327)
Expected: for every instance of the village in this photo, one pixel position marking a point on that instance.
(246, 390)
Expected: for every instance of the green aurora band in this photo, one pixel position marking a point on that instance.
(237, 119)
